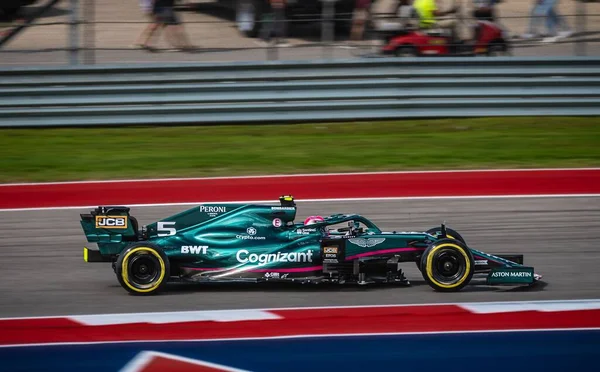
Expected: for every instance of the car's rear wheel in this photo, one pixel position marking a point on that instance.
(143, 269)
(447, 265)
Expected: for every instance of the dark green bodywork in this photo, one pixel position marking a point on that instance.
(247, 241)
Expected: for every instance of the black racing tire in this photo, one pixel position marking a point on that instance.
(452, 234)
(248, 16)
(447, 265)
(143, 269)
(406, 51)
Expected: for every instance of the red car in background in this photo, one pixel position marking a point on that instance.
(489, 39)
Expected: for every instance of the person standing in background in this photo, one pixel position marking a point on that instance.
(534, 21)
(431, 17)
(274, 28)
(485, 10)
(143, 40)
(162, 15)
(164, 11)
(554, 21)
(360, 17)
(406, 14)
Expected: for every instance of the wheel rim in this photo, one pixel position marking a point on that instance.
(143, 270)
(449, 266)
(246, 16)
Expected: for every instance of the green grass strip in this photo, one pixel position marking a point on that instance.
(151, 152)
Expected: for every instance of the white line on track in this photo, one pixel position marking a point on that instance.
(399, 198)
(177, 317)
(391, 334)
(585, 304)
(300, 175)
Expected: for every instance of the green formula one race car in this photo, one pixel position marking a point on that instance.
(256, 243)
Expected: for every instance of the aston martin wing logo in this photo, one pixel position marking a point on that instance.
(368, 242)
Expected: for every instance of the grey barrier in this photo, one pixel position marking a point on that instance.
(206, 94)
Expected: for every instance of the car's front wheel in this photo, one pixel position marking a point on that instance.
(447, 265)
(143, 269)
(437, 232)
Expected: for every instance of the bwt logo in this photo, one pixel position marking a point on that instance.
(111, 222)
(194, 249)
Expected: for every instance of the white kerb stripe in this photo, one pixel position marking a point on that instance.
(163, 318)
(491, 308)
(316, 335)
(182, 314)
(140, 361)
(334, 200)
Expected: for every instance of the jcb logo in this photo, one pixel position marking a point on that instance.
(111, 222)
(331, 250)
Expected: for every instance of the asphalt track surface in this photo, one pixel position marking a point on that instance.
(42, 271)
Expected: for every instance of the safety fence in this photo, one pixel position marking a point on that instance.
(84, 32)
(208, 94)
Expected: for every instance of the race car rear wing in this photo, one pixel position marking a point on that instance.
(112, 228)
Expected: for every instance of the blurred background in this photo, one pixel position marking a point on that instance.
(109, 31)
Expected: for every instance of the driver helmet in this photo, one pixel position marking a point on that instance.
(313, 219)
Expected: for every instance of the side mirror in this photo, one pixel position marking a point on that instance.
(443, 230)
